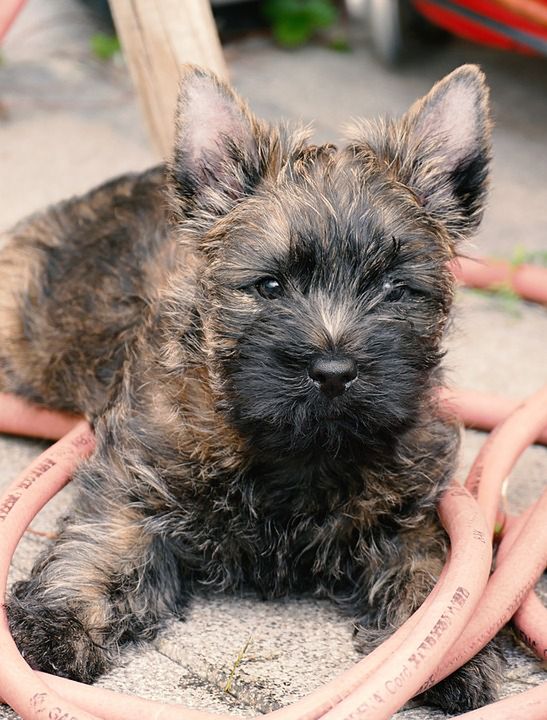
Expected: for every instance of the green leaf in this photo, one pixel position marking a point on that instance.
(104, 46)
(295, 21)
(321, 12)
(340, 44)
(293, 32)
(522, 255)
(507, 299)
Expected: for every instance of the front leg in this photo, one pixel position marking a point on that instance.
(105, 582)
(397, 590)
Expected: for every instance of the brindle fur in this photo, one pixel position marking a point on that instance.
(218, 461)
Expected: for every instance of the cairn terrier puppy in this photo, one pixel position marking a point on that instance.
(255, 331)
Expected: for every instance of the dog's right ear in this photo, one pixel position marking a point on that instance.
(220, 148)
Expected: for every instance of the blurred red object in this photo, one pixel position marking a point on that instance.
(8, 12)
(519, 25)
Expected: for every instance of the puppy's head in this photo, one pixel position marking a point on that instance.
(323, 288)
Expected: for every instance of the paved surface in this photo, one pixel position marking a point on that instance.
(68, 121)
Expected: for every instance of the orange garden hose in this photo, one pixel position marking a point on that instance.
(9, 9)
(19, 418)
(530, 619)
(527, 281)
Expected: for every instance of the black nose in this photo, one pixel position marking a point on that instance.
(332, 374)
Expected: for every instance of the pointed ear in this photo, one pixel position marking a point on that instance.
(441, 149)
(449, 135)
(219, 153)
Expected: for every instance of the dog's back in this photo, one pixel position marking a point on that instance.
(75, 284)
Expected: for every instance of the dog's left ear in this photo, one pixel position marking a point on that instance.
(441, 149)
(449, 136)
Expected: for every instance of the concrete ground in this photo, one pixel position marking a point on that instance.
(69, 121)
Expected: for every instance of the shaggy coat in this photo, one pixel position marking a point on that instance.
(184, 311)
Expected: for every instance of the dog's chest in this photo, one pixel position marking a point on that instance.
(270, 557)
(272, 541)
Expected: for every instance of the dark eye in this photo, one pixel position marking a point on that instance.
(269, 288)
(393, 291)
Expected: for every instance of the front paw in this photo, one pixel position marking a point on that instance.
(472, 686)
(51, 637)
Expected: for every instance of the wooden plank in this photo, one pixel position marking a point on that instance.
(158, 37)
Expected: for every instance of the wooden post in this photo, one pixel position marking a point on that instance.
(157, 37)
